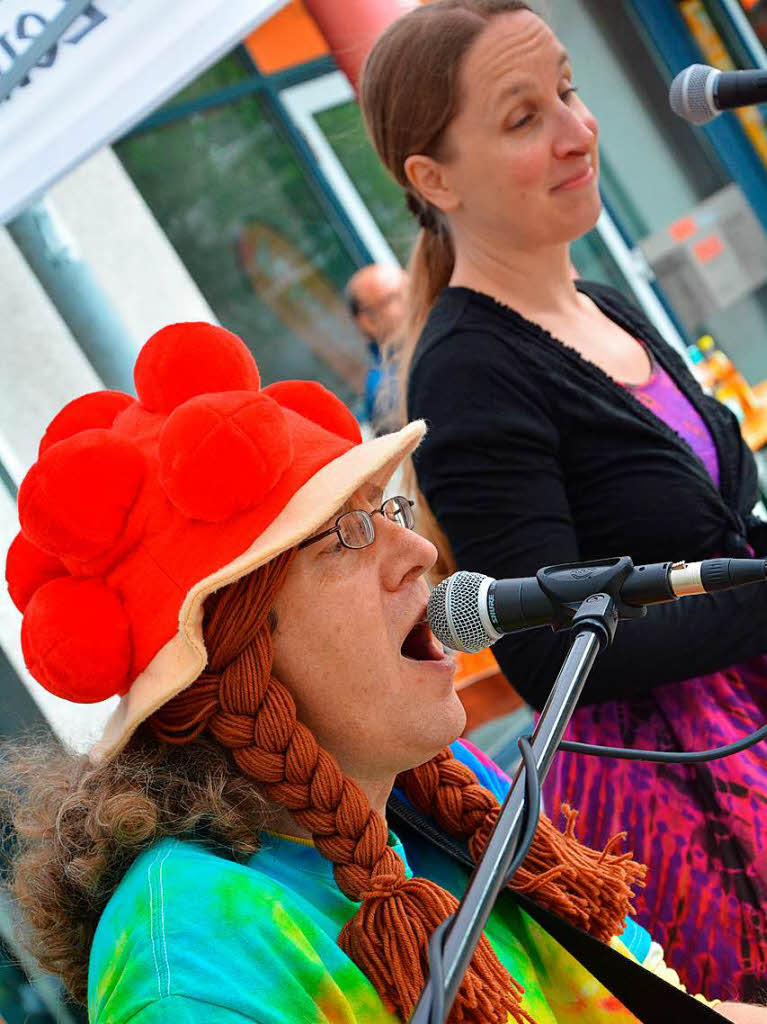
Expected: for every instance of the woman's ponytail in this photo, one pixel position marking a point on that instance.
(410, 93)
(429, 271)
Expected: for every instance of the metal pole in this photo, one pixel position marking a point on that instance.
(748, 37)
(76, 294)
(490, 874)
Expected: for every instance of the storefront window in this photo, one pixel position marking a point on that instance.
(344, 129)
(234, 202)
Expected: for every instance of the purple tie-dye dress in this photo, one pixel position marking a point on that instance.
(702, 830)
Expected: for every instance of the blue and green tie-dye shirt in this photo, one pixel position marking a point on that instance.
(192, 936)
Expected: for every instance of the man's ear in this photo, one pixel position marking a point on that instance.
(430, 180)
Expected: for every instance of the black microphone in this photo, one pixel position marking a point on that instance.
(469, 611)
(700, 93)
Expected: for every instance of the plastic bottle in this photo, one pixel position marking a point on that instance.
(711, 370)
(723, 378)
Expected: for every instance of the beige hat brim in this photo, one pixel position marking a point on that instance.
(181, 660)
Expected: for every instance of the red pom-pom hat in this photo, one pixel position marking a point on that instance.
(137, 510)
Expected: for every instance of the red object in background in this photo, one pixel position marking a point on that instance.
(288, 38)
(351, 28)
(708, 248)
(683, 229)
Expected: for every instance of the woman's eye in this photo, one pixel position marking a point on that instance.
(521, 122)
(568, 92)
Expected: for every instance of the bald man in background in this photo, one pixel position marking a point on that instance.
(376, 298)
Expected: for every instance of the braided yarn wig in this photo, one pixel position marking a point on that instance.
(247, 710)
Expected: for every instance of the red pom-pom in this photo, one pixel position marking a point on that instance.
(98, 409)
(184, 360)
(222, 454)
(76, 640)
(316, 403)
(27, 568)
(75, 500)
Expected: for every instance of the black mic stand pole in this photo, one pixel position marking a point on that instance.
(593, 627)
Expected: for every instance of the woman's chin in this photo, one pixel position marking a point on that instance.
(586, 220)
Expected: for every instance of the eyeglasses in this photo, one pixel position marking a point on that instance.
(356, 529)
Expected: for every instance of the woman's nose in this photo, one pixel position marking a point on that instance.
(576, 131)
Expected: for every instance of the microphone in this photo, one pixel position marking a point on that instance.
(701, 93)
(469, 611)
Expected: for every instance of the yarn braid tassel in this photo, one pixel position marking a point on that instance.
(593, 889)
(388, 939)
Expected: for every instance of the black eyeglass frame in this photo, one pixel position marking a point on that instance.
(405, 506)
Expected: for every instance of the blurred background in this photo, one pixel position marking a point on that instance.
(240, 188)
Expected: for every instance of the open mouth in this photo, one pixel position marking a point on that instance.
(420, 645)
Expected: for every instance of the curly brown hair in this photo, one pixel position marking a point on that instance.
(78, 825)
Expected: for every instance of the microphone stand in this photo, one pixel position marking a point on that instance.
(593, 622)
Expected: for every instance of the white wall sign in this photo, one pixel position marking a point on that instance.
(118, 61)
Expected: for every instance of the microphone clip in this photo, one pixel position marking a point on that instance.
(588, 595)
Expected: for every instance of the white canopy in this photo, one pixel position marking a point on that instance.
(114, 64)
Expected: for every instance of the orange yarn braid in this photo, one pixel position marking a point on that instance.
(591, 889)
(250, 712)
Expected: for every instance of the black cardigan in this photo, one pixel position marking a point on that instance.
(535, 456)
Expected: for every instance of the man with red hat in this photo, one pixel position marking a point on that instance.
(223, 557)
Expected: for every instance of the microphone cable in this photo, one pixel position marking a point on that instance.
(666, 756)
(531, 810)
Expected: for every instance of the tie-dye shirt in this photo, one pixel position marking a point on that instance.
(194, 937)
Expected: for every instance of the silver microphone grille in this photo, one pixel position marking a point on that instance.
(453, 613)
(691, 94)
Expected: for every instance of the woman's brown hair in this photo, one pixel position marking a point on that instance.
(80, 826)
(410, 92)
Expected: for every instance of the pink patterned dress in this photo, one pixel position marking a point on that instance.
(701, 829)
